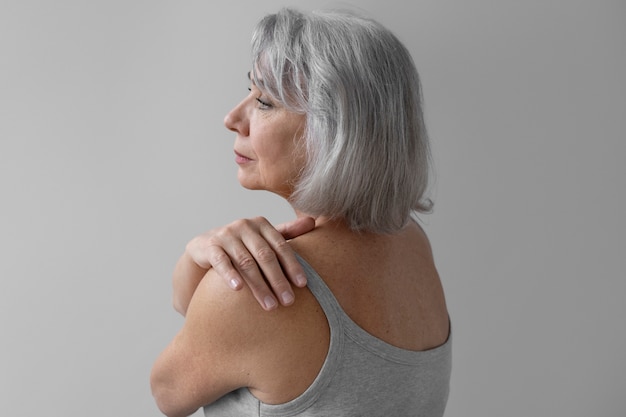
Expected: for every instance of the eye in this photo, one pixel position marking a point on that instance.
(263, 104)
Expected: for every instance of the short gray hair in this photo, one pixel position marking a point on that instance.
(366, 142)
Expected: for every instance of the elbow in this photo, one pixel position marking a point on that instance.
(167, 399)
(169, 405)
(162, 397)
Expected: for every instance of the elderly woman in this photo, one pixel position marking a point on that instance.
(333, 123)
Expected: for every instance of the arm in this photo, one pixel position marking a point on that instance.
(228, 342)
(193, 370)
(248, 251)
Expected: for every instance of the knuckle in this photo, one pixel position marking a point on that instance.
(244, 223)
(237, 223)
(194, 244)
(279, 285)
(212, 241)
(220, 234)
(219, 259)
(265, 255)
(282, 246)
(259, 219)
(246, 263)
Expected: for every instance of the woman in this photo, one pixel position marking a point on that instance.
(333, 123)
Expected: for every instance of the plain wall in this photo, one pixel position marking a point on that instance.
(113, 155)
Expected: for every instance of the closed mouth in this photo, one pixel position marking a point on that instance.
(239, 158)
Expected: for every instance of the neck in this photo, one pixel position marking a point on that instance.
(323, 220)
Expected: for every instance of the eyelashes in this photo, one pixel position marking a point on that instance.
(263, 104)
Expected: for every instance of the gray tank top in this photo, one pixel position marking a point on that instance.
(361, 376)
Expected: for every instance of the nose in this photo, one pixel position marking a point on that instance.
(236, 120)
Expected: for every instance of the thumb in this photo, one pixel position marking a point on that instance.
(296, 227)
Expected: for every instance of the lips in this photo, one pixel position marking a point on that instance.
(241, 159)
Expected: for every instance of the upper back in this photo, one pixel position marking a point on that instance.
(387, 284)
(385, 349)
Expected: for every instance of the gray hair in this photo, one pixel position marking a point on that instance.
(367, 148)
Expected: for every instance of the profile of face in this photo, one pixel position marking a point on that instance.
(268, 145)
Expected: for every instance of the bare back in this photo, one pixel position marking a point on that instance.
(387, 284)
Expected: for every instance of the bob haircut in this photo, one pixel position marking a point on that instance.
(368, 157)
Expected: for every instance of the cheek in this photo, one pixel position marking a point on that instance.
(283, 168)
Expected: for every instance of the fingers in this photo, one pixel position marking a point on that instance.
(236, 252)
(220, 261)
(276, 260)
(252, 252)
(297, 227)
(283, 251)
(258, 266)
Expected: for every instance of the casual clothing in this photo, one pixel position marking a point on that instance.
(361, 376)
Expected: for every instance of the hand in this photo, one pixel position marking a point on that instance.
(249, 251)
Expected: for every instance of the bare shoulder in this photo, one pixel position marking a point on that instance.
(196, 367)
(279, 353)
(228, 342)
(387, 284)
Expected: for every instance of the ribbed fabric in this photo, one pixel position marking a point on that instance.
(361, 376)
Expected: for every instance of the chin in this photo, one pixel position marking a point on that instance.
(247, 182)
(252, 186)
(247, 186)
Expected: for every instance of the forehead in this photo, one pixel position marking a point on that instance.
(286, 91)
(254, 77)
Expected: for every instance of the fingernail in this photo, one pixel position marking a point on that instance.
(233, 283)
(287, 297)
(270, 302)
(301, 280)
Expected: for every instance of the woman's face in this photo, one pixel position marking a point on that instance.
(268, 145)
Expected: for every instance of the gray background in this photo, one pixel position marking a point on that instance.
(113, 155)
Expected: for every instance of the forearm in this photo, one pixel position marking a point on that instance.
(186, 277)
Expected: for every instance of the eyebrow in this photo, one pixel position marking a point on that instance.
(251, 80)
